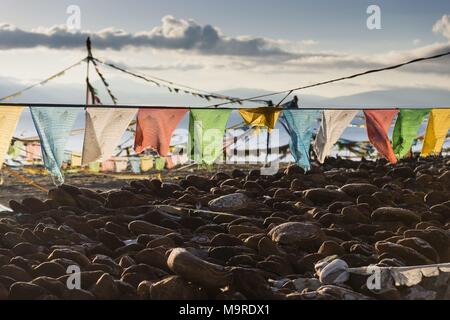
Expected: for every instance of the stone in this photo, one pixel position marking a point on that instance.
(436, 197)
(402, 172)
(105, 288)
(73, 255)
(325, 196)
(143, 290)
(78, 294)
(419, 293)
(266, 247)
(437, 238)
(224, 239)
(230, 202)
(341, 293)
(124, 198)
(384, 214)
(152, 257)
(252, 284)
(62, 197)
(196, 270)
(422, 247)
(175, 288)
(24, 248)
(334, 272)
(25, 291)
(352, 214)
(139, 227)
(4, 292)
(51, 285)
(15, 272)
(201, 183)
(357, 189)
(310, 284)
(330, 248)
(301, 234)
(109, 239)
(410, 256)
(49, 269)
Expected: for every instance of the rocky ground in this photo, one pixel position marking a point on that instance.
(234, 235)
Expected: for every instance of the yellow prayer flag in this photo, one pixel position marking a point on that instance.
(75, 160)
(9, 116)
(146, 163)
(437, 130)
(261, 117)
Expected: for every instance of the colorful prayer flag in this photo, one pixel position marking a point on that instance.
(378, 123)
(334, 122)
(405, 131)
(261, 117)
(9, 117)
(104, 129)
(146, 163)
(53, 126)
(436, 133)
(155, 127)
(206, 131)
(301, 124)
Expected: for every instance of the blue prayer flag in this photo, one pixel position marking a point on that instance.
(53, 126)
(301, 123)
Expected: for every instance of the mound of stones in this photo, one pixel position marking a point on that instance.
(234, 235)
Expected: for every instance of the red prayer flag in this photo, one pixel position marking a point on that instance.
(154, 129)
(378, 123)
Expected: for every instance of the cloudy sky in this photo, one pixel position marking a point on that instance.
(232, 46)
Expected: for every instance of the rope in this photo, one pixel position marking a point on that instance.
(25, 179)
(152, 79)
(342, 78)
(127, 106)
(15, 94)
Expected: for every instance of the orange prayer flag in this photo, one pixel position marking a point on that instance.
(155, 127)
(378, 123)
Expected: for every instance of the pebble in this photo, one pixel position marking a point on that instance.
(258, 237)
(301, 234)
(395, 214)
(334, 272)
(229, 202)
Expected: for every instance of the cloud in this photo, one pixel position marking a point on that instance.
(442, 26)
(172, 34)
(242, 52)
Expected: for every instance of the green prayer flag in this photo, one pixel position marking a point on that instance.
(206, 131)
(160, 163)
(405, 130)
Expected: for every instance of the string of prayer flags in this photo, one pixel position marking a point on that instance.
(206, 132)
(436, 133)
(154, 129)
(333, 124)
(261, 117)
(405, 131)
(104, 129)
(9, 117)
(301, 124)
(53, 126)
(378, 123)
(105, 83)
